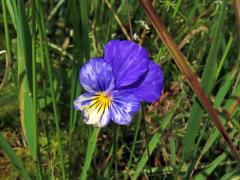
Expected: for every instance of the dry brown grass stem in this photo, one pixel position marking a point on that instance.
(186, 70)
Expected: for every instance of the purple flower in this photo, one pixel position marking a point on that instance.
(116, 84)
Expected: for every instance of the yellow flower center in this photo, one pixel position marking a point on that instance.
(104, 98)
(98, 108)
(101, 101)
(99, 104)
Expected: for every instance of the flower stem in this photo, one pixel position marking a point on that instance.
(115, 142)
(147, 137)
(34, 91)
(139, 117)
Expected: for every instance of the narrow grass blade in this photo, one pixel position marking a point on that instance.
(229, 175)
(172, 148)
(12, 8)
(151, 146)
(176, 8)
(75, 89)
(225, 86)
(81, 54)
(218, 101)
(216, 162)
(237, 9)
(215, 134)
(219, 68)
(54, 11)
(82, 49)
(84, 28)
(114, 151)
(208, 79)
(34, 92)
(117, 19)
(34, 78)
(8, 46)
(134, 140)
(24, 36)
(42, 32)
(17, 163)
(92, 141)
(182, 64)
(211, 167)
(17, 11)
(154, 140)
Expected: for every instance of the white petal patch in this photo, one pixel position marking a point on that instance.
(124, 105)
(95, 108)
(120, 115)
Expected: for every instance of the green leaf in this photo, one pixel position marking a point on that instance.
(207, 84)
(17, 12)
(210, 169)
(17, 163)
(92, 141)
(155, 139)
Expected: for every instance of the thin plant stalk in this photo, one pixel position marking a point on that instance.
(6, 29)
(50, 77)
(16, 162)
(237, 9)
(34, 90)
(146, 137)
(134, 142)
(92, 141)
(182, 64)
(8, 46)
(123, 29)
(114, 156)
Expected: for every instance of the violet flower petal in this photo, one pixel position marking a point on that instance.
(151, 88)
(96, 75)
(129, 61)
(124, 105)
(94, 111)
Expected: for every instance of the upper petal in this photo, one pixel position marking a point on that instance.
(151, 88)
(96, 75)
(129, 61)
(95, 111)
(124, 105)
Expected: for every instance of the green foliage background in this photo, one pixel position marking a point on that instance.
(42, 47)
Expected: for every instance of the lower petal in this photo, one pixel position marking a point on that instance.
(97, 117)
(83, 101)
(124, 105)
(95, 111)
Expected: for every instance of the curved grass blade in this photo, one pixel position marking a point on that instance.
(229, 175)
(182, 64)
(8, 46)
(92, 141)
(219, 68)
(17, 163)
(216, 162)
(139, 116)
(211, 167)
(155, 139)
(215, 134)
(42, 32)
(81, 53)
(124, 31)
(17, 12)
(237, 9)
(208, 79)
